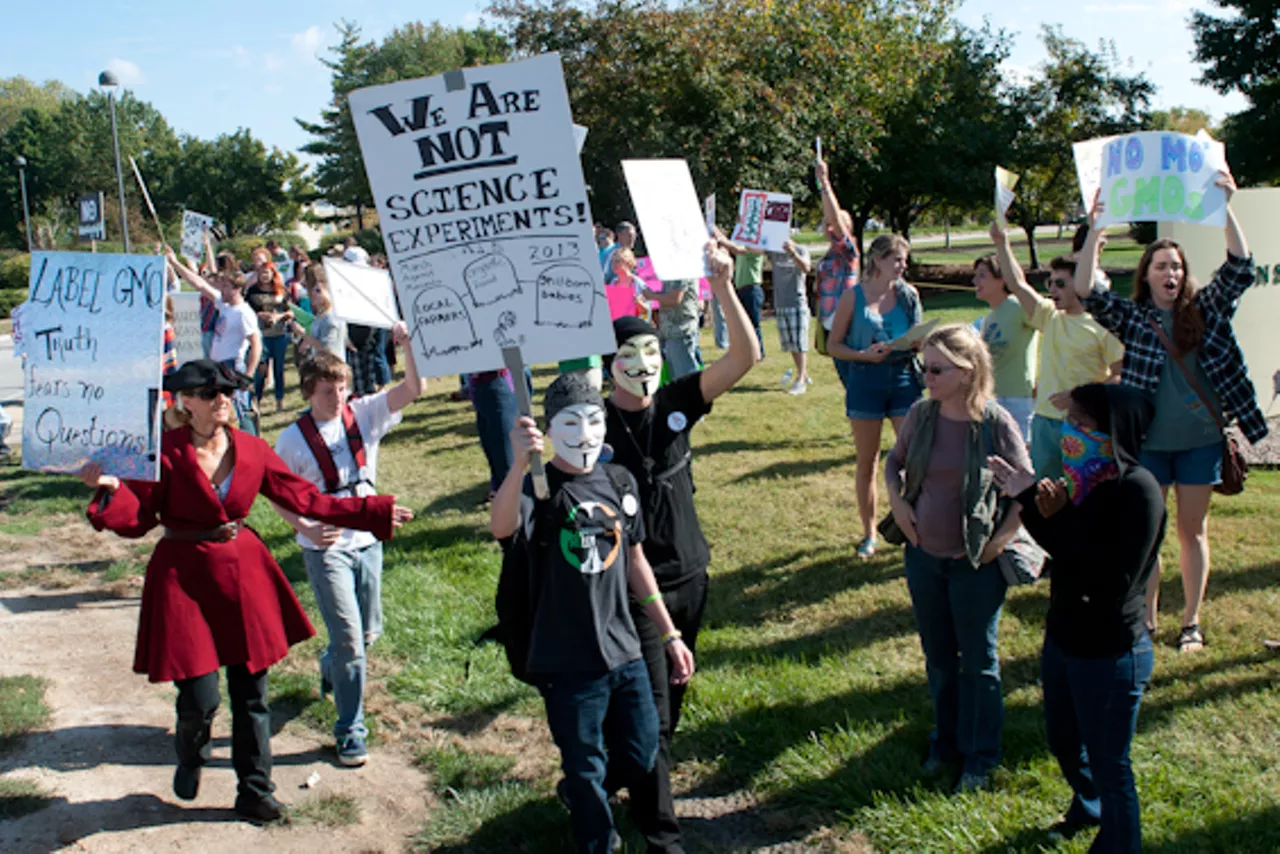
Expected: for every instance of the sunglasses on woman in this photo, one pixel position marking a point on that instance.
(206, 393)
(938, 370)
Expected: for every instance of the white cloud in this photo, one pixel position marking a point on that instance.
(307, 41)
(126, 72)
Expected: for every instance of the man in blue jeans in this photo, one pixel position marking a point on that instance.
(334, 445)
(583, 542)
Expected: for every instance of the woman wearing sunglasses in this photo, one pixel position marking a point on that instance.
(213, 596)
(1076, 350)
(945, 503)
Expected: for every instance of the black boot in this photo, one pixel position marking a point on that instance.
(263, 808)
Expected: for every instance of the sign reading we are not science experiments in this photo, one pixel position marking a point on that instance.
(93, 330)
(483, 211)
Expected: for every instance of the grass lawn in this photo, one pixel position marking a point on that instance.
(810, 708)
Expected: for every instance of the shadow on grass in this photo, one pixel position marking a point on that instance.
(462, 501)
(795, 469)
(20, 485)
(733, 446)
(1258, 832)
(476, 720)
(537, 826)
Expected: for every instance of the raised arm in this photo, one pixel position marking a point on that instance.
(670, 297)
(504, 513)
(1236, 243)
(744, 347)
(210, 262)
(191, 277)
(1087, 258)
(799, 257)
(410, 389)
(830, 205)
(1012, 271)
(734, 248)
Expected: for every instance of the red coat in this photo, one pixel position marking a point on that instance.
(209, 604)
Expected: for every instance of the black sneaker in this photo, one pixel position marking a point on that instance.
(264, 809)
(1069, 828)
(186, 782)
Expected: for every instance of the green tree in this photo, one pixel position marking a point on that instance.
(1079, 94)
(1241, 53)
(414, 50)
(1181, 119)
(236, 180)
(19, 93)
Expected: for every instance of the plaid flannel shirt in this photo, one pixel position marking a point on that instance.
(1219, 353)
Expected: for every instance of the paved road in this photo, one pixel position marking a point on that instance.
(11, 386)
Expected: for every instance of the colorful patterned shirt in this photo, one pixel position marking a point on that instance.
(837, 273)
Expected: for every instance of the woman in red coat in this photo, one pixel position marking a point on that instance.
(213, 596)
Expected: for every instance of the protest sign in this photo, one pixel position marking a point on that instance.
(186, 326)
(764, 220)
(579, 137)
(1254, 324)
(483, 211)
(670, 219)
(360, 293)
(194, 227)
(1005, 182)
(95, 327)
(622, 301)
(1088, 157)
(91, 223)
(1164, 177)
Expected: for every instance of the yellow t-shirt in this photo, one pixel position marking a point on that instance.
(1074, 350)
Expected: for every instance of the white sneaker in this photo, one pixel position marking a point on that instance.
(786, 378)
(808, 380)
(798, 388)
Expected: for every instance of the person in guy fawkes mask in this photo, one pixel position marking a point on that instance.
(648, 431)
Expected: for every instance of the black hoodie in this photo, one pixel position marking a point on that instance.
(1106, 548)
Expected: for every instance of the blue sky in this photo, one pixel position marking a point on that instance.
(214, 67)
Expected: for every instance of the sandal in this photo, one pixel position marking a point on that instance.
(866, 548)
(1191, 639)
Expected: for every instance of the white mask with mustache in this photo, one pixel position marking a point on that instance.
(577, 434)
(637, 366)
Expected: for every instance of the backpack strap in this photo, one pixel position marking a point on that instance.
(320, 450)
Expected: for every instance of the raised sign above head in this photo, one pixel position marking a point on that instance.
(484, 215)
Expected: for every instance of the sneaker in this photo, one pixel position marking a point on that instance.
(798, 388)
(786, 378)
(1191, 638)
(1069, 828)
(970, 782)
(260, 809)
(352, 752)
(808, 380)
(186, 782)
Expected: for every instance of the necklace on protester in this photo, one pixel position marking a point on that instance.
(646, 454)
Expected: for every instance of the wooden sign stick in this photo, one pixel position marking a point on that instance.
(515, 366)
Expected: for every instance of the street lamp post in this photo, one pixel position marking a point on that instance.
(108, 81)
(21, 163)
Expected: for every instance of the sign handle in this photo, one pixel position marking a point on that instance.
(142, 185)
(515, 366)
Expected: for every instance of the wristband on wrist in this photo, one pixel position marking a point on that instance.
(670, 636)
(652, 598)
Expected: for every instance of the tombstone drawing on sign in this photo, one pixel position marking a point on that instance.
(490, 279)
(442, 324)
(566, 296)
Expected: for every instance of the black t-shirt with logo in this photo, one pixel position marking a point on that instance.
(674, 545)
(583, 623)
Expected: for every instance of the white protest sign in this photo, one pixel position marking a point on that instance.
(670, 217)
(764, 220)
(1258, 211)
(186, 326)
(94, 334)
(90, 209)
(194, 227)
(1005, 182)
(709, 210)
(1088, 156)
(1164, 177)
(484, 214)
(360, 293)
(579, 137)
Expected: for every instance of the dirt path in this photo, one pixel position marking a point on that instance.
(107, 755)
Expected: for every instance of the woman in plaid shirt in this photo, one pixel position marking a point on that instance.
(1183, 447)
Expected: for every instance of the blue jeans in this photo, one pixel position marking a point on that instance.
(241, 401)
(752, 299)
(682, 354)
(273, 351)
(957, 611)
(1021, 408)
(1046, 446)
(495, 405)
(1090, 714)
(348, 588)
(206, 343)
(719, 330)
(577, 708)
(873, 392)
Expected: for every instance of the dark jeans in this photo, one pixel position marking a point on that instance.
(495, 405)
(957, 612)
(198, 700)
(752, 299)
(652, 806)
(598, 720)
(1090, 714)
(273, 351)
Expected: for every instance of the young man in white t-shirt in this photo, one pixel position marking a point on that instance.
(237, 341)
(344, 566)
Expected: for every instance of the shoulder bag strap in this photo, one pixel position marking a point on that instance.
(1195, 386)
(354, 440)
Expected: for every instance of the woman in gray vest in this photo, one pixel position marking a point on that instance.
(945, 502)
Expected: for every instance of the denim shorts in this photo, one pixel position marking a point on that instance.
(1195, 467)
(872, 392)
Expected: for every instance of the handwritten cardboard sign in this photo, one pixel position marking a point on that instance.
(1164, 177)
(194, 227)
(764, 220)
(94, 326)
(671, 219)
(186, 326)
(483, 210)
(360, 293)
